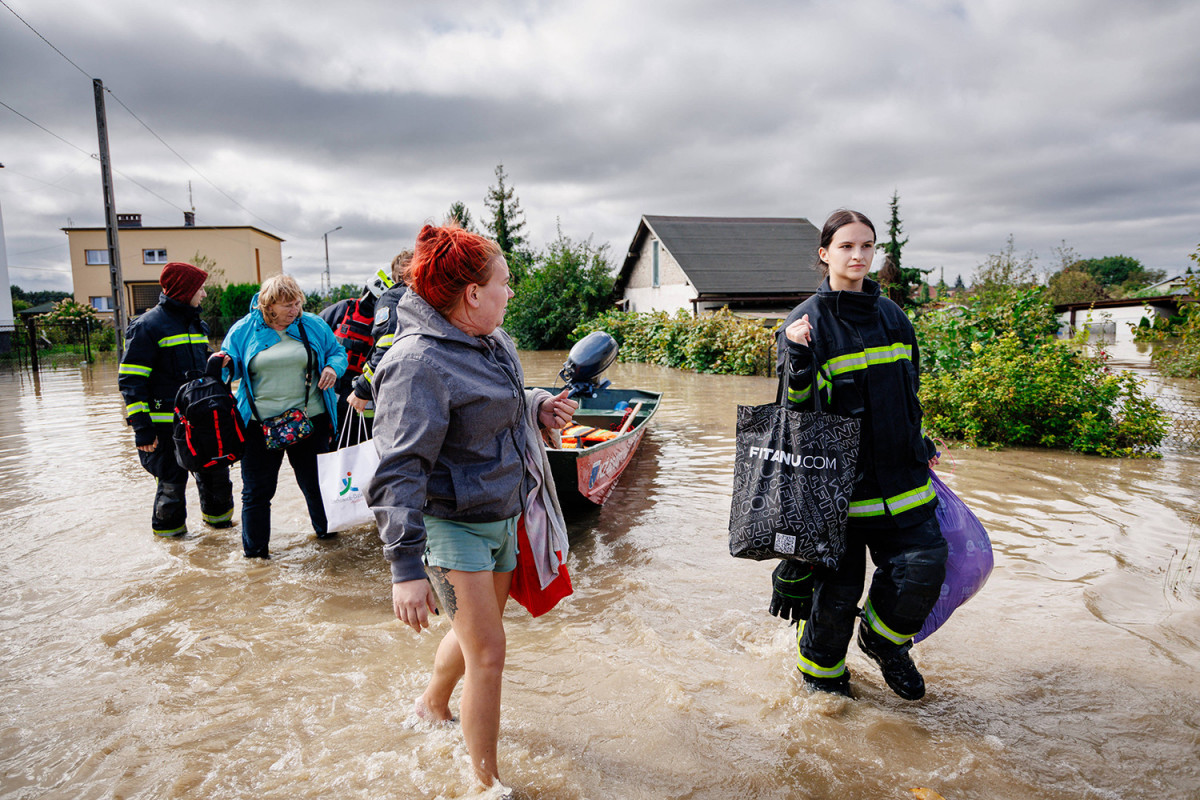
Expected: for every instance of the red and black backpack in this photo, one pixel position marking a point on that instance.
(208, 430)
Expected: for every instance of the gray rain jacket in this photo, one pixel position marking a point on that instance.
(449, 429)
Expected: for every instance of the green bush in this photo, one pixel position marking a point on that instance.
(720, 343)
(235, 300)
(947, 336)
(1178, 352)
(1046, 396)
(568, 284)
(104, 338)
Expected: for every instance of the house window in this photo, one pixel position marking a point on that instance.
(145, 296)
(654, 264)
(102, 303)
(154, 256)
(96, 257)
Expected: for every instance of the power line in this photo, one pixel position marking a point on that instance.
(47, 130)
(90, 155)
(225, 194)
(39, 269)
(44, 39)
(185, 161)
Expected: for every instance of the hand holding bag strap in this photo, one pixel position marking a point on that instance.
(785, 381)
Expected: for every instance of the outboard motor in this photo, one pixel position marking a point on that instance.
(590, 356)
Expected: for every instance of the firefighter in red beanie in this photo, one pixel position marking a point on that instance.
(164, 348)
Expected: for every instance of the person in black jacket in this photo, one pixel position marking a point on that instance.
(352, 321)
(164, 348)
(867, 362)
(383, 331)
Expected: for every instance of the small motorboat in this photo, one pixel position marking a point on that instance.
(588, 457)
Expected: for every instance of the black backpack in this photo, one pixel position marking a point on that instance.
(208, 429)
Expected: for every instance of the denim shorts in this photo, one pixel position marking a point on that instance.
(471, 546)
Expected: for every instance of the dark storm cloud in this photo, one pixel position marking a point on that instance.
(1070, 121)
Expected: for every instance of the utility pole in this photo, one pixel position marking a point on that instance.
(328, 284)
(110, 221)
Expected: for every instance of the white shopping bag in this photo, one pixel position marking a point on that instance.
(343, 476)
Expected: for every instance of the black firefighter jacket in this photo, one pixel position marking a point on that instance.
(164, 348)
(868, 366)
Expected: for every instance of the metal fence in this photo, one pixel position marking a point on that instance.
(35, 340)
(1184, 416)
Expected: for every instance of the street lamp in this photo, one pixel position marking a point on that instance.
(328, 285)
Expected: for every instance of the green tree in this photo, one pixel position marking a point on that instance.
(571, 283)
(1178, 354)
(899, 281)
(235, 301)
(38, 297)
(508, 220)
(1073, 285)
(461, 214)
(316, 302)
(1002, 273)
(892, 247)
(1123, 274)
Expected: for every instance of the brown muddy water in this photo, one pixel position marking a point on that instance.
(142, 668)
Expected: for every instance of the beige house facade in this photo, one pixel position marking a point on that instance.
(238, 254)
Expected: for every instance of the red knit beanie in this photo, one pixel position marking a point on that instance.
(181, 281)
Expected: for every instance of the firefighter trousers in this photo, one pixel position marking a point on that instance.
(910, 567)
(169, 517)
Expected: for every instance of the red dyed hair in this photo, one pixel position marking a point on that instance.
(446, 261)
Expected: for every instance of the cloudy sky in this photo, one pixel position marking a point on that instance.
(1049, 121)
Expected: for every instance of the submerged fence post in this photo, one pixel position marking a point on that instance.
(31, 334)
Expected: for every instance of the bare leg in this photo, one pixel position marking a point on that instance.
(448, 669)
(474, 651)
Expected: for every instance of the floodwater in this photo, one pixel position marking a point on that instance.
(141, 668)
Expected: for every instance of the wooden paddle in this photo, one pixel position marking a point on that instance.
(629, 420)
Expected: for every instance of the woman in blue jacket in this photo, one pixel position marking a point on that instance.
(867, 368)
(283, 358)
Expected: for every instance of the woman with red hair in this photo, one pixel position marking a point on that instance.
(451, 426)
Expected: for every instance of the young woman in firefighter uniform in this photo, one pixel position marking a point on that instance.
(351, 321)
(164, 348)
(867, 359)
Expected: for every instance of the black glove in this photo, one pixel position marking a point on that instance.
(792, 588)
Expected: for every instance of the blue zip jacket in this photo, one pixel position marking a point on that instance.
(250, 335)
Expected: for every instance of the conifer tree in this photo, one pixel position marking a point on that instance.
(461, 214)
(507, 220)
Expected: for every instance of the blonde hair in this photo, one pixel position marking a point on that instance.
(278, 289)
(400, 266)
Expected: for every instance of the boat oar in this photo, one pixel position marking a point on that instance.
(629, 420)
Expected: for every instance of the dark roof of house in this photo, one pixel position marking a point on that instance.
(735, 255)
(44, 308)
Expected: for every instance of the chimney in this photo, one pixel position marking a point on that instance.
(129, 220)
(189, 219)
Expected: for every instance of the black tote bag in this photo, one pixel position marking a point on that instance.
(793, 476)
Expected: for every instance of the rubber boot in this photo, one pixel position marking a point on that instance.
(899, 671)
(170, 513)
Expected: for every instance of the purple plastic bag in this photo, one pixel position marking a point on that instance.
(969, 562)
